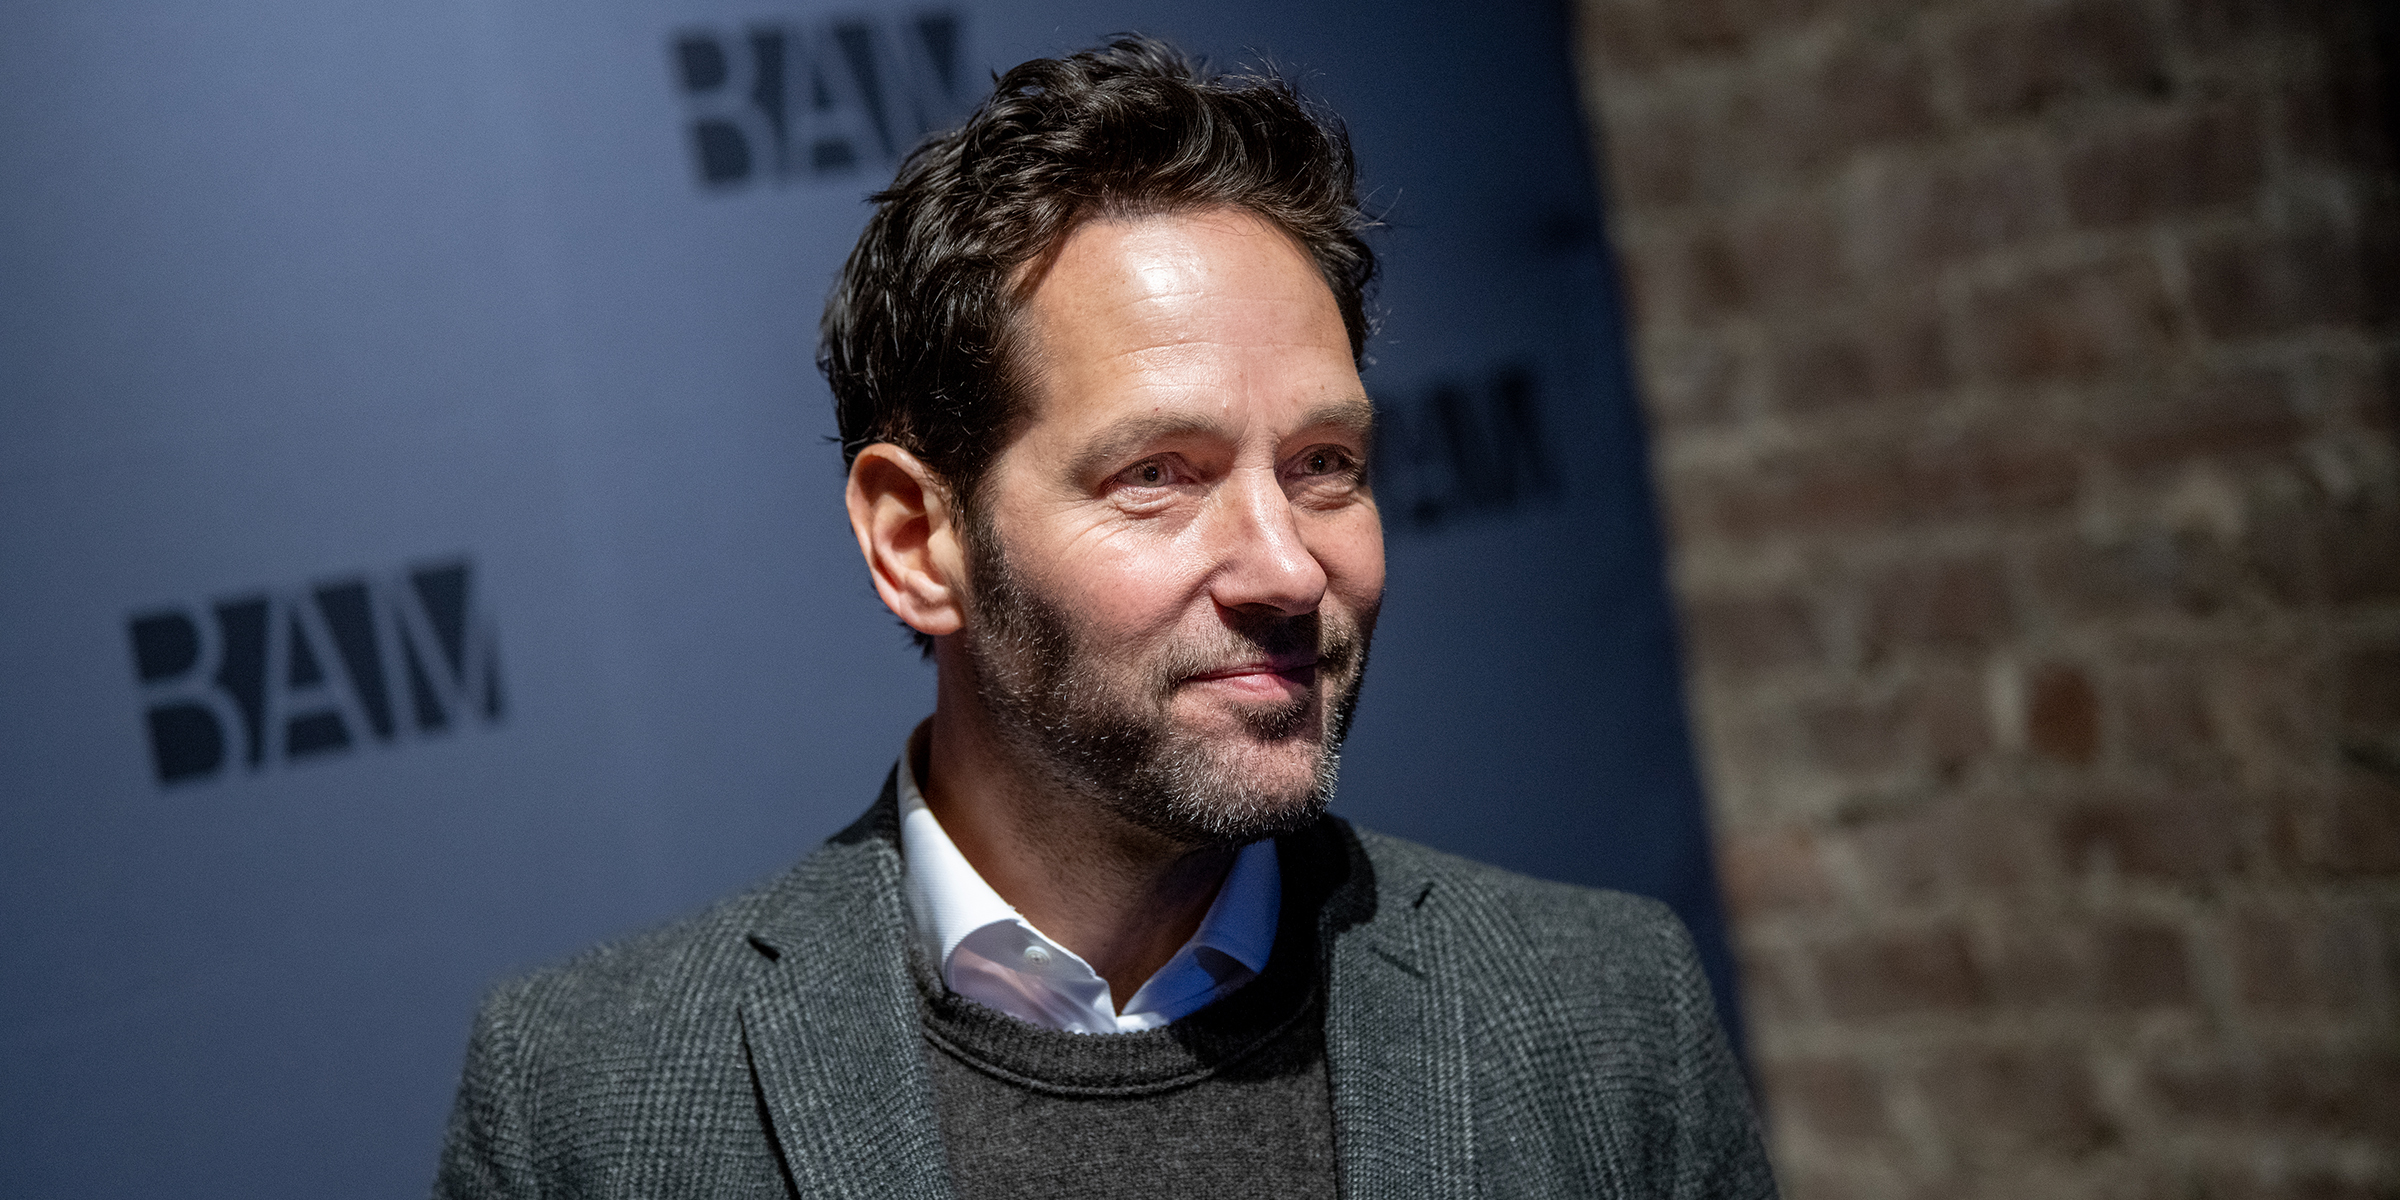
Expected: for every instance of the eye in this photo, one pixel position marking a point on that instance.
(1151, 473)
(1327, 460)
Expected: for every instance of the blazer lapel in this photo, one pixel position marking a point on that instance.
(1395, 1040)
(830, 1027)
(831, 1030)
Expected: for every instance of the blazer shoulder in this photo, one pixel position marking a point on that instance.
(711, 954)
(603, 993)
(1591, 1030)
(1557, 922)
(1409, 866)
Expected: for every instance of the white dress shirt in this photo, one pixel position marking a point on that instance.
(989, 953)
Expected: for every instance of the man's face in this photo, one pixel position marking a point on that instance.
(1175, 564)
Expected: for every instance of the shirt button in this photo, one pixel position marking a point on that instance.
(1037, 956)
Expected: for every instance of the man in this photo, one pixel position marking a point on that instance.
(1096, 361)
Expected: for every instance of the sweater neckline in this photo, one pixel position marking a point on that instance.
(1214, 1040)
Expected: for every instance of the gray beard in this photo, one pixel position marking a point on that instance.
(1053, 707)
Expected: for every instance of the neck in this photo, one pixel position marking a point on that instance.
(1121, 897)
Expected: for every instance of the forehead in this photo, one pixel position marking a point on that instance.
(1210, 317)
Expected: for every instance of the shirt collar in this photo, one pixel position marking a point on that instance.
(949, 900)
(946, 896)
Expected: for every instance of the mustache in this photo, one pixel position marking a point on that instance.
(1336, 646)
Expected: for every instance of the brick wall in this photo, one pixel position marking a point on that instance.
(2022, 381)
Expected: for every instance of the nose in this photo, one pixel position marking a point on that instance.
(1262, 561)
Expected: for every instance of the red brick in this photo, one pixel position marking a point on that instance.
(2165, 719)
(1951, 849)
(1922, 215)
(2137, 966)
(1872, 90)
(2037, 1101)
(1772, 992)
(1849, 1177)
(1787, 256)
(1705, 27)
(2358, 544)
(1831, 490)
(2223, 26)
(2370, 696)
(2062, 714)
(2098, 967)
(1646, 308)
(2076, 323)
(1988, 472)
(2280, 560)
(1971, 474)
(2360, 387)
(2236, 413)
(2341, 1092)
(2336, 116)
(1912, 353)
(1710, 276)
(2152, 572)
(1835, 1099)
(1957, 720)
(1692, 382)
(1815, 1181)
(1622, 35)
(1899, 973)
(1651, 153)
(2354, 829)
(1825, 373)
(2252, 284)
(1858, 732)
(1952, 606)
(2190, 838)
(2310, 960)
(2038, 969)
(1897, 351)
(1865, 92)
(2026, 58)
(2188, 496)
(2278, 1180)
(1772, 871)
(1794, 493)
(2270, 705)
(1744, 635)
(2159, 163)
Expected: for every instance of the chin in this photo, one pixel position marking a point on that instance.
(1228, 792)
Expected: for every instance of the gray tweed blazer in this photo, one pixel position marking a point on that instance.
(1486, 1035)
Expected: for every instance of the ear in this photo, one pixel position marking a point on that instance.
(908, 530)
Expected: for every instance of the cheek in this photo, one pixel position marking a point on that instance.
(1352, 556)
(1130, 588)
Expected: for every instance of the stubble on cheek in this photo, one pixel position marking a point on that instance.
(1091, 722)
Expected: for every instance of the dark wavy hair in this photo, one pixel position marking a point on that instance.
(916, 337)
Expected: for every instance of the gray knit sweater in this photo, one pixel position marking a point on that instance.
(1230, 1101)
(1485, 1035)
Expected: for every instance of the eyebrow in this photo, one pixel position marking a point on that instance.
(1125, 436)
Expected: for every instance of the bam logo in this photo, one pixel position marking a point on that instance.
(1457, 450)
(278, 677)
(797, 103)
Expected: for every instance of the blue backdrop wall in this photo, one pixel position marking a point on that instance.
(421, 554)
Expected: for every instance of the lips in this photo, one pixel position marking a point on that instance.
(1283, 665)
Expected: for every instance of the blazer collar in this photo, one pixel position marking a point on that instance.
(1395, 1030)
(831, 1027)
(830, 1024)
